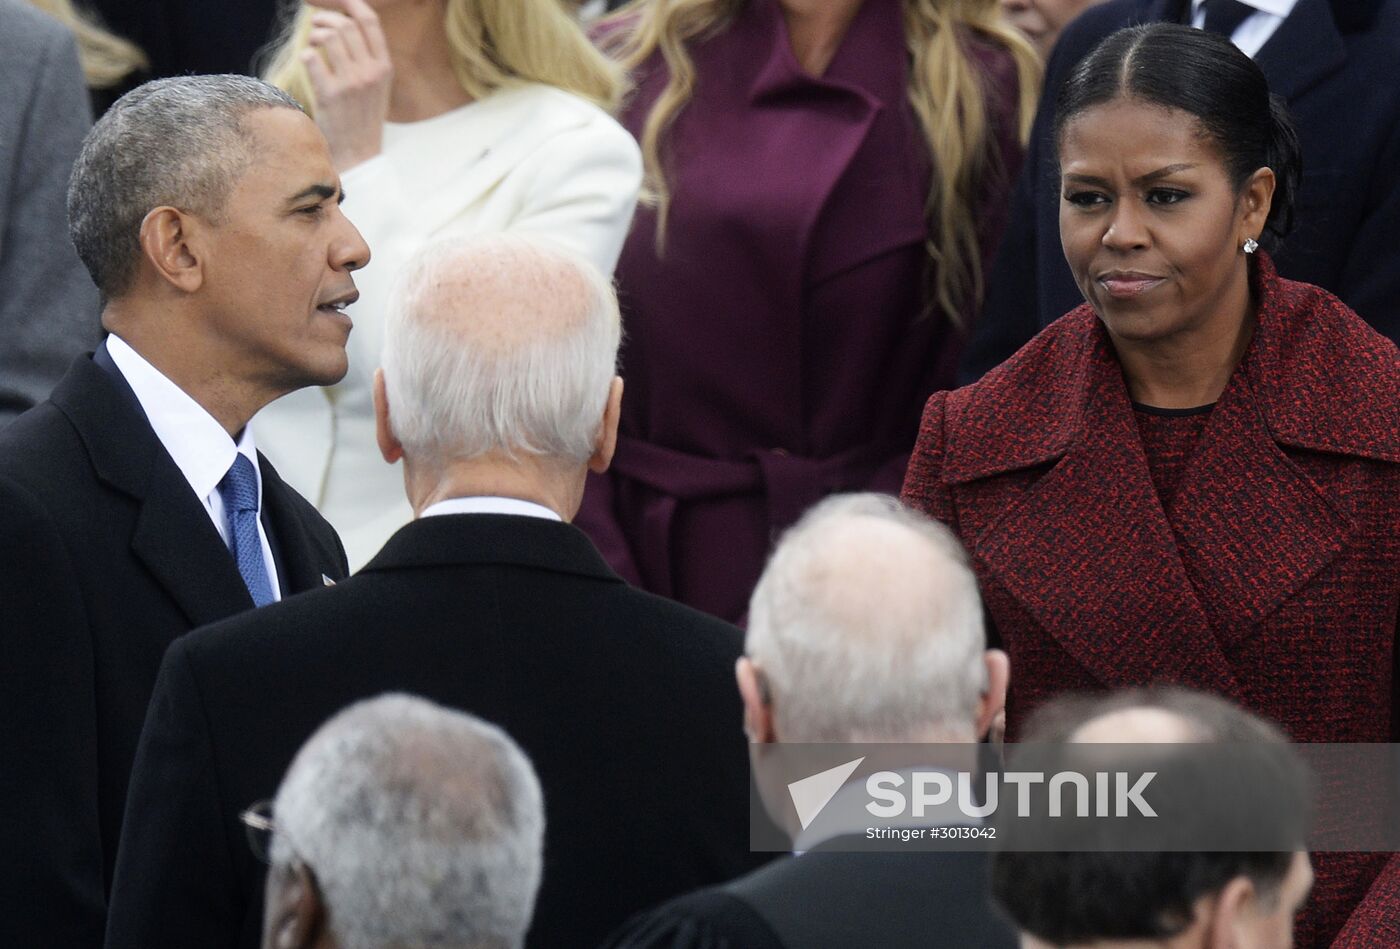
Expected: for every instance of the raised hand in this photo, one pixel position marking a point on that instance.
(351, 73)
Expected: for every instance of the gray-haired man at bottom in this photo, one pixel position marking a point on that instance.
(866, 626)
(402, 825)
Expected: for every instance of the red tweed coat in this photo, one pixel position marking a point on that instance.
(1275, 580)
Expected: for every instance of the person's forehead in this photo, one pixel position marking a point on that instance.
(287, 153)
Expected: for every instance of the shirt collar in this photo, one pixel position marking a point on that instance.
(198, 444)
(1279, 8)
(491, 505)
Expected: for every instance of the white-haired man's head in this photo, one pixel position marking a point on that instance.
(405, 825)
(501, 350)
(867, 626)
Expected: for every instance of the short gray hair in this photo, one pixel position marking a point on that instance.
(424, 826)
(867, 625)
(502, 344)
(178, 142)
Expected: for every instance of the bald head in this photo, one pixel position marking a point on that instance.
(1143, 726)
(867, 624)
(503, 344)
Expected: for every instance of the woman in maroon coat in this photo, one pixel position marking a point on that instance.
(785, 319)
(1195, 477)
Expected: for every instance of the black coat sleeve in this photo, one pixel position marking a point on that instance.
(51, 873)
(175, 883)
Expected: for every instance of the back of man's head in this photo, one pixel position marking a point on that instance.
(500, 346)
(867, 625)
(1075, 896)
(418, 826)
(177, 142)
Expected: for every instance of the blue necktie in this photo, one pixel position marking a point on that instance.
(239, 489)
(1225, 16)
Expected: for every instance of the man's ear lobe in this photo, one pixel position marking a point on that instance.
(389, 445)
(993, 701)
(296, 919)
(758, 703)
(606, 441)
(169, 239)
(1232, 915)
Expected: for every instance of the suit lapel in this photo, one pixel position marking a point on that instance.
(177, 542)
(303, 562)
(173, 535)
(1089, 552)
(1305, 49)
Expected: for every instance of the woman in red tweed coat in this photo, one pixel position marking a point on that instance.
(1195, 477)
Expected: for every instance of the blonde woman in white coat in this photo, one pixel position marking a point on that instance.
(445, 118)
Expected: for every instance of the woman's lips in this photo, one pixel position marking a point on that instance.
(1125, 285)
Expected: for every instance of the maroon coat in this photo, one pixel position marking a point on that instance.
(1274, 580)
(778, 350)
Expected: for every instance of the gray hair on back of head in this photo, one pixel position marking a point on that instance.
(423, 826)
(867, 624)
(505, 344)
(178, 142)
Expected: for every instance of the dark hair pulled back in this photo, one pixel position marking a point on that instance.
(1206, 76)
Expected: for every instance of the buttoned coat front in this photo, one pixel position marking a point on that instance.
(1272, 578)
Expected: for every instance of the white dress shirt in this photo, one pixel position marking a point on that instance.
(1251, 35)
(490, 504)
(199, 446)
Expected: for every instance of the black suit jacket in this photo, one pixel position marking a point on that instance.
(828, 899)
(624, 702)
(1334, 62)
(106, 556)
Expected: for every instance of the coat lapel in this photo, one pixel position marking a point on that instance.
(1306, 48)
(306, 562)
(1089, 552)
(173, 535)
(1253, 529)
(177, 542)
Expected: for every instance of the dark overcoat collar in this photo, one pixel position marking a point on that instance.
(453, 540)
(1087, 547)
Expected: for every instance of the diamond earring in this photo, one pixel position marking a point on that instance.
(1250, 245)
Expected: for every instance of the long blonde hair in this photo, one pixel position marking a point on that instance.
(495, 43)
(946, 90)
(106, 58)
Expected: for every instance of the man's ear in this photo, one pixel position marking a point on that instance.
(1231, 915)
(169, 240)
(605, 443)
(758, 704)
(389, 445)
(295, 912)
(993, 700)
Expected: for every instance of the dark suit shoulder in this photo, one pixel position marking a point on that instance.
(827, 899)
(706, 919)
(42, 453)
(37, 446)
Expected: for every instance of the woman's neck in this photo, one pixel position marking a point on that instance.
(1184, 373)
(425, 84)
(816, 28)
